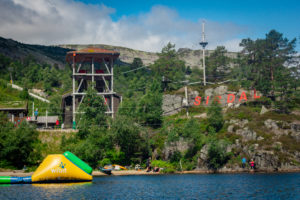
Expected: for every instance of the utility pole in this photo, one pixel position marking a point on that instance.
(186, 101)
(32, 110)
(46, 118)
(203, 43)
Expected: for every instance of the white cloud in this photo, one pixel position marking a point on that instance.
(67, 21)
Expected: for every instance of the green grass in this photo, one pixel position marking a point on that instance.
(289, 143)
(13, 104)
(51, 141)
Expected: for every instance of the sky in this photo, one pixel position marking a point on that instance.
(147, 25)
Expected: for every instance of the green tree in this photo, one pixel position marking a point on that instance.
(217, 156)
(217, 64)
(215, 117)
(93, 109)
(264, 61)
(18, 144)
(170, 66)
(127, 135)
(149, 108)
(136, 63)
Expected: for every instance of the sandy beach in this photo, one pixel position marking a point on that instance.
(21, 173)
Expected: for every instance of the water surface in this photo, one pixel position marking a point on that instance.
(188, 186)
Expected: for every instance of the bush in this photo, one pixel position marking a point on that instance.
(215, 117)
(103, 162)
(217, 156)
(167, 167)
(127, 135)
(18, 144)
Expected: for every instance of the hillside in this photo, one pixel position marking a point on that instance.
(191, 57)
(152, 119)
(55, 55)
(42, 54)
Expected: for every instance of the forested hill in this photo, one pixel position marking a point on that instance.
(266, 130)
(42, 54)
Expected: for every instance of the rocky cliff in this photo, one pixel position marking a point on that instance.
(271, 139)
(191, 57)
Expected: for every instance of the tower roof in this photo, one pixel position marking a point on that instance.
(91, 52)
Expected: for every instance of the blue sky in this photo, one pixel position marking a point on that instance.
(147, 25)
(257, 16)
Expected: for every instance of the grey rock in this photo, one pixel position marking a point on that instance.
(266, 160)
(237, 105)
(244, 122)
(209, 92)
(230, 128)
(221, 90)
(263, 110)
(181, 146)
(260, 138)
(270, 124)
(295, 127)
(230, 105)
(172, 104)
(246, 134)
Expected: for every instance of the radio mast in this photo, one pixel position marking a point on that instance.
(203, 43)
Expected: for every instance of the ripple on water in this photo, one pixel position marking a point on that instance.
(187, 186)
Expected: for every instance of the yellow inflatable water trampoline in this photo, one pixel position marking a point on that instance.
(64, 167)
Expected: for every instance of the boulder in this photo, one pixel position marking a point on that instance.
(263, 110)
(181, 145)
(260, 138)
(209, 92)
(295, 127)
(270, 124)
(266, 160)
(230, 128)
(246, 134)
(172, 104)
(221, 90)
(201, 163)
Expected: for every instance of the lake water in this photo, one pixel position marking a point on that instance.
(188, 186)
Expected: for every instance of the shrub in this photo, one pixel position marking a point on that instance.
(217, 156)
(167, 167)
(215, 117)
(17, 144)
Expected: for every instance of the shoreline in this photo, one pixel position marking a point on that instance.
(20, 173)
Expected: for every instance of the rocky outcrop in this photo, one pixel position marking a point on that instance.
(169, 148)
(193, 58)
(172, 104)
(266, 160)
(246, 134)
(270, 124)
(226, 98)
(280, 128)
(203, 155)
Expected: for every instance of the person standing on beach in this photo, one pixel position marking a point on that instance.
(148, 163)
(243, 162)
(57, 123)
(252, 164)
(36, 114)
